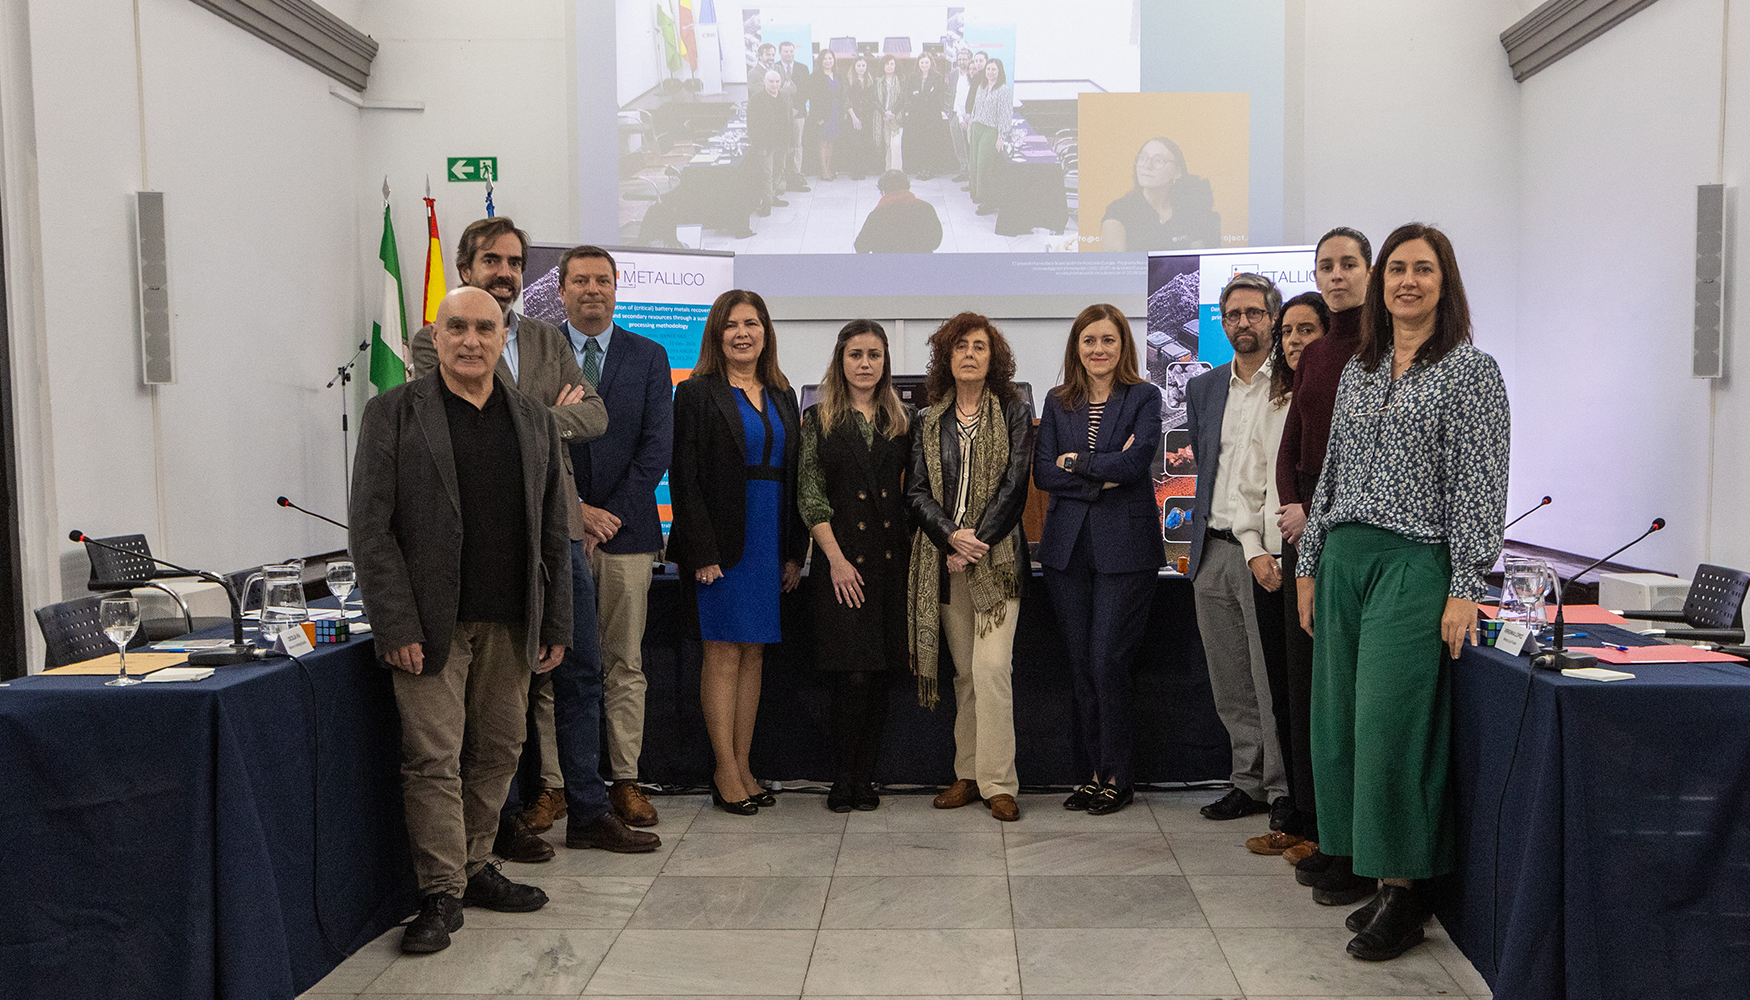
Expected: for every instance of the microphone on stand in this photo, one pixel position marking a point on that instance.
(239, 651)
(1556, 658)
(1541, 504)
(283, 502)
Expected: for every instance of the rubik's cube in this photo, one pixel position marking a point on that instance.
(331, 630)
(1490, 632)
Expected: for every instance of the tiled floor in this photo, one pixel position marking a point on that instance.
(909, 901)
(827, 217)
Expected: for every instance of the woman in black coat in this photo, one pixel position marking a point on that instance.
(855, 449)
(736, 536)
(927, 147)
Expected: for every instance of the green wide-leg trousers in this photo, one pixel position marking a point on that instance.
(1382, 703)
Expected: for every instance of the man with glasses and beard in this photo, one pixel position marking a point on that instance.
(539, 362)
(1225, 411)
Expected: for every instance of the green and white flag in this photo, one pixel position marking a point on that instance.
(389, 331)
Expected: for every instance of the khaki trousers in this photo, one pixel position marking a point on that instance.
(984, 694)
(622, 601)
(462, 729)
(541, 697)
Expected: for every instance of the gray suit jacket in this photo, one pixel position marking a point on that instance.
(406, 517)
(1205, 405)
(544, 363)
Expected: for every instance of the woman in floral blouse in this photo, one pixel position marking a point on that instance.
(1404, 523)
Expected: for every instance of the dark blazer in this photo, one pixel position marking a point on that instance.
(406, 517)
(620, 470)
(1002, 515)
(544, 363)
(1205, 403)
(707, 480)
(1124, 521)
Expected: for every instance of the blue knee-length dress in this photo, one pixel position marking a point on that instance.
(742, 606)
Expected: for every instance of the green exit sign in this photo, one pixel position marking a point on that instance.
(473, 168)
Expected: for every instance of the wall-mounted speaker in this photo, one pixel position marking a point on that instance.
(157, 361)
(1710, 281)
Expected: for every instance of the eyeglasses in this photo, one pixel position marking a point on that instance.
(1156, 162)
(1233, 316)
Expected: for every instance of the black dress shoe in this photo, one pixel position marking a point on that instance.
(1396, 926)
(780, 203)
(440, 915)
(516, 842)
(490, 890)
(867, 799)
(799, 185)
(1110, 800)
(1080, 798)
(763, 797)
(745, 807)
(842, 798)
(1234, 805)
(1360, 918)
(1310, 867)
(1281, 811)
(1338, 885)
(610, 833)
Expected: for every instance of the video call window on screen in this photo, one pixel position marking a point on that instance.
(1017, 127)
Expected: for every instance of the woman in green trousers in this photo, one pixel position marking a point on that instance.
(1405, 522)
(993, 118)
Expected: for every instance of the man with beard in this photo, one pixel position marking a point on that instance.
(539, 362)
(1225, 411)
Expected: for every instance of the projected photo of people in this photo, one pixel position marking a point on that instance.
(974, 106)
(1164, 171)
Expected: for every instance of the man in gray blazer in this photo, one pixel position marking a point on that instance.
(538, 360)
(1225, 408)
(459, 505)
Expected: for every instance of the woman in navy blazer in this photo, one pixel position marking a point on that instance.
(1098, 434)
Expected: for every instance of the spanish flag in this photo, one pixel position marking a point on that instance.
(434, 262)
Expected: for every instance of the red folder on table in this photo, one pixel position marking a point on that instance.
(1572, 614)
(1657, 654)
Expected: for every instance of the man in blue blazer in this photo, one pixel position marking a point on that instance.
(617, 476)
(1225, 409)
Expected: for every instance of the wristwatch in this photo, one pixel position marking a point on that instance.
(1069, 464)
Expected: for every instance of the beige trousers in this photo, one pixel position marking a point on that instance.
(984, 696)
(541, 698)
(622, 584)
(462, 730)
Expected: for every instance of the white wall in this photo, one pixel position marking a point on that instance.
(257, 163)
(1606, 416)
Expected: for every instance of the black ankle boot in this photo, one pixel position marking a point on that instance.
(1338, 885)
(842, 798)
(1395, 928)
(868, 800)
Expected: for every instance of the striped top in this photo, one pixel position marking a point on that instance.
(968, 431)
(1095, 412)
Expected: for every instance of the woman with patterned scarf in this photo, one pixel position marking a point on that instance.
(968, 485)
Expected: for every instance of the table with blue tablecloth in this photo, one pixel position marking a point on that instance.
(1614, 860)
(234, 837)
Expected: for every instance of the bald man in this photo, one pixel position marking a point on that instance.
(459, 504)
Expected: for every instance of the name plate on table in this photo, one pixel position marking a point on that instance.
(1512, 638)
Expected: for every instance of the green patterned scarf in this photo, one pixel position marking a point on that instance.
(992, 580)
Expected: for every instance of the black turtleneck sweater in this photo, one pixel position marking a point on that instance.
(1308, 429)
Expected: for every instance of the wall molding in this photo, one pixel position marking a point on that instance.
(305, 31)
(1560, 27)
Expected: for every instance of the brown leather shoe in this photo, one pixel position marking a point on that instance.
(547, 810)
(962, 792)
(631, 805)
(1005, 808)
(610, 834)
(516, 842)
(1274, 842)
(1299, 852)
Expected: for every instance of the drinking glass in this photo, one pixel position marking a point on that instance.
(1523, 588)
(341, 580)
(120, 618)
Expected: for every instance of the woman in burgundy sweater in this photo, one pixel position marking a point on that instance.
(1343, 259)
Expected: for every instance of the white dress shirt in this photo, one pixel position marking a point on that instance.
(578, 339)
(1259, 535)
(510, 354)
(1241, 422)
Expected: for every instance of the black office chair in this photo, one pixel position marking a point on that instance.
(134, 569)
(74, 634)
(1713, 610)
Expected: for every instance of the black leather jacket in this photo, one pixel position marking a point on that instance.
(1002, 516)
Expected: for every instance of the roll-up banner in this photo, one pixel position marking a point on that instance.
(1186, 339)
(662, 294)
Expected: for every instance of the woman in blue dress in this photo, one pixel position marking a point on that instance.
(736, 536)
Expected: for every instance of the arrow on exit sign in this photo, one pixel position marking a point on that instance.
(472, 168)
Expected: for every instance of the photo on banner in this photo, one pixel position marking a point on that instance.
(661, 294)
(1164, 171)
(1185, 338)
